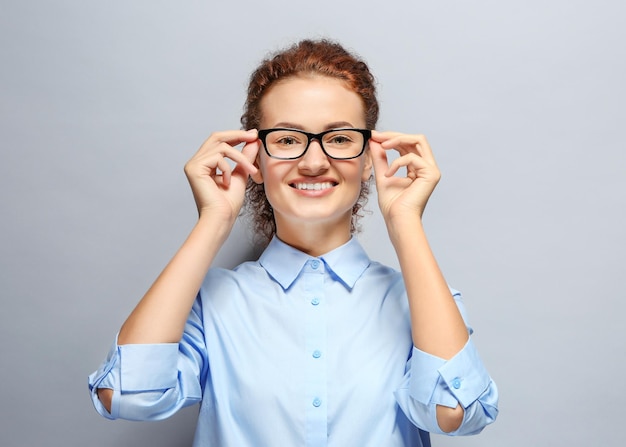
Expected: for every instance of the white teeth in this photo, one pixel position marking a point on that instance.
(314, 186)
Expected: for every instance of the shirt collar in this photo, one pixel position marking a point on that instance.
(284, 263)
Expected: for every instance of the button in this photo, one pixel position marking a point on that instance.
(317, 402)
(317, 354)
(315, 264)
(315, 301)
(456, 383)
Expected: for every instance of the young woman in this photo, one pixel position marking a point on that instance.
(313, 344)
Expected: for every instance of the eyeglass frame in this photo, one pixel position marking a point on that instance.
(263, 133)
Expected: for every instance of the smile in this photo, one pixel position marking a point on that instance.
(313, 186)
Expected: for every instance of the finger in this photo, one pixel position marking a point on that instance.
(223, 168)
(241, 159)
(250, 152)
(412, 162)
(234, 137)
(379, 158)
(405, 137)
(408, 143)
(416, 167)
(390, 169)
(383, 136)
(229, 138)
(401, 143)
(209, 158)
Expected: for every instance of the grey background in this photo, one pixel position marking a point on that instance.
(102, 103)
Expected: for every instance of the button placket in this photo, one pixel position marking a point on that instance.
(315, 345)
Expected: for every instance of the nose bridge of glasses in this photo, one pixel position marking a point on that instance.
(316, 155)
(317, 138)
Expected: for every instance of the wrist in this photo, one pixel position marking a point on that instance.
(219, 214)
(214, 227)
(402, 225)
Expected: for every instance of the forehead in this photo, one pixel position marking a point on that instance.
(311, 102)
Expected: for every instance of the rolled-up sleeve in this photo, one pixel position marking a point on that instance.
(461, 380)
(432, 381)
(152, 381)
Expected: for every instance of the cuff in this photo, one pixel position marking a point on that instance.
(147, 367)
(462, 379)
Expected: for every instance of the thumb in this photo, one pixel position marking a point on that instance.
(379, 158)
(247, 167)
(251, 149)
(251, 152)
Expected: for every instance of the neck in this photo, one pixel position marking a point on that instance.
(313, 239)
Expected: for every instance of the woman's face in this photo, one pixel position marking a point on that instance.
(314, 188)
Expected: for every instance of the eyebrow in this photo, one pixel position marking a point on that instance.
(333, 125)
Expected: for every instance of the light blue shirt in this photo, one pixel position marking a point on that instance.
(293, 350)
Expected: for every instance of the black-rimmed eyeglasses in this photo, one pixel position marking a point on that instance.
(290, 144)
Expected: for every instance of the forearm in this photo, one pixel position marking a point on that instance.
(438, 330)
(161, 314)
(436, 323)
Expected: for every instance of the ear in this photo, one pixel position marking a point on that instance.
(367, 166)
(258, 177)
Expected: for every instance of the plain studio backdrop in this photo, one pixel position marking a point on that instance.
(102, 103)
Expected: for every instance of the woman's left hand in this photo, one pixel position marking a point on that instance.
(402, 196)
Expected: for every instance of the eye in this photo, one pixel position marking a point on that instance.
(339, 139)
(287, 140)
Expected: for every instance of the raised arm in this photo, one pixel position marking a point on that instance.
(436, 323)
(218, 190)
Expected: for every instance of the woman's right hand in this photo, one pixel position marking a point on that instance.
(219, 189)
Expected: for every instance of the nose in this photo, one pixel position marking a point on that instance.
(314, 159)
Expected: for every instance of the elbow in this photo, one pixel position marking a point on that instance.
(105, 395)
(449, 419)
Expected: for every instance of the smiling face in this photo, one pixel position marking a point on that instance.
(313, 193)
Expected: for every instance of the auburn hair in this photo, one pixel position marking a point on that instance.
(305, 58)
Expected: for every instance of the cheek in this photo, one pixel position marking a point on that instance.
(366, 174)
(264, 164)
(271, 171)
(360, 173)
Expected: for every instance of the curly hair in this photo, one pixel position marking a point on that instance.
(305, 58)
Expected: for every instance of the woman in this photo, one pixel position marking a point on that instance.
(314, 343)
